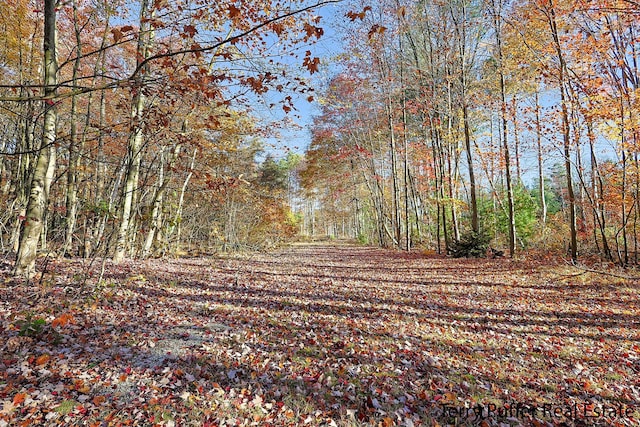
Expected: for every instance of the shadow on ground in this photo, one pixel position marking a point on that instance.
(319, 335)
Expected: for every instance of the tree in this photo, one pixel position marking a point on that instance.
(273, 175)
(178, 49)
(45, 164)
(135, 140)
(496, 11)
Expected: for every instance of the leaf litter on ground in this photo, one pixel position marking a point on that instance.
(320, 335)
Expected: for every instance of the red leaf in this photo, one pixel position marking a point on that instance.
(190, 30)
(234, 12)
(117, 34)
(311, 64)
(358, 15)
(376, 29)
(312, 31)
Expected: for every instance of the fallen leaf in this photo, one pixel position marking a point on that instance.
(41, 360)
(19, 398)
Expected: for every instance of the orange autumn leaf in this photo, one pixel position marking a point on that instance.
(449, 396)
(311, 64)
(62, 320)
(19, 398)
(387, 422)
(98, 400)
(81, 386)
(358, 15)
(41, 360)
(376, 29)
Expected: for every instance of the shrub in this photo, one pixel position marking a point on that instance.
(470, 245)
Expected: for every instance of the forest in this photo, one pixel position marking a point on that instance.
(319, 213)
(456, 123)
(137, 130)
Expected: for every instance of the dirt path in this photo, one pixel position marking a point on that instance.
(322, 335)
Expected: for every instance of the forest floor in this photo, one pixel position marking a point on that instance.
(320, 335)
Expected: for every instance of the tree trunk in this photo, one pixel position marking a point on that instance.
(597, 190)
(396, 220)
(177, 220)
(573, 236)
(405, 147)
(45, 165)
(505, 142)
(543, 201)
(155, 210)
(451, 166)
(74, 157)
(475, 223)
(516, 138)
(462, 50)
(155, 221)
(134, 154)
(23, 171)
